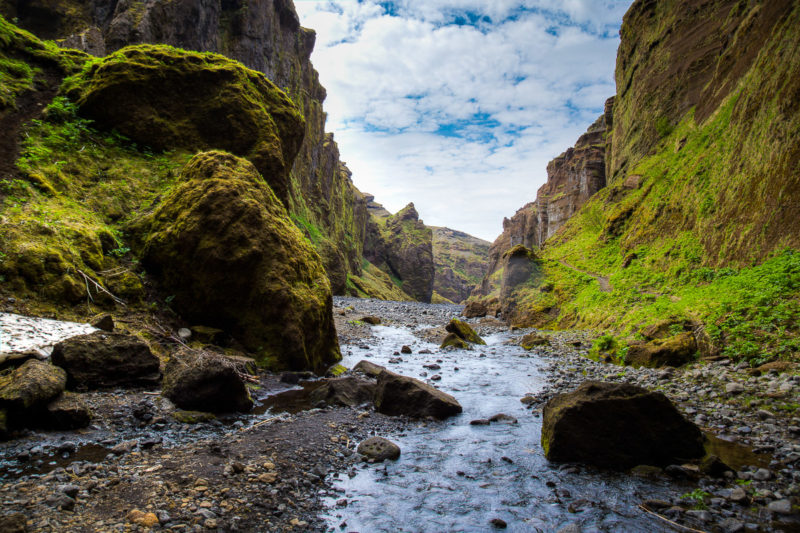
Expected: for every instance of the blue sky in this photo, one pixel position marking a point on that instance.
(458, 105)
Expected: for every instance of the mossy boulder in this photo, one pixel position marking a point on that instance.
(102, 360)
(672, 351)
(205, 381)
(531, 340)
(475, 309)
(452, 340)
(617, 426)
(464, 331)
(168, 98)
(31, 386)
(224, 246)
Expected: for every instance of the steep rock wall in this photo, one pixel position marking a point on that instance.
(265, 35)
(460, 261)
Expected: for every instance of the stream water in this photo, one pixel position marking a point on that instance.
(453, 476)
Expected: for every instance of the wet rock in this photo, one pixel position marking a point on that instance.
(479, 422)
(103, 322)
(502, 417)
(205, 381)
(368, 368)
(379, 449)
(102, 360)
(531, 340)
(713, 466)
(673, 351)
(454, 341)
(617, 426)
(13, 523)
(30, 386)
(464, 331)
(406, 349)
(347, 391)
(372, 320)
(68, 411)
(401, 395)
(498, 523)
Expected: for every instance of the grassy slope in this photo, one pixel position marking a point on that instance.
(711, 235)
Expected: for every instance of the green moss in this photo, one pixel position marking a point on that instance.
(192, 417)
(374, 283)
(464, 331)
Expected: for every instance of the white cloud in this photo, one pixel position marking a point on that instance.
(458, 105)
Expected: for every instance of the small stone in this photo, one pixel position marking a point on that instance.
(60, 501)
(734, 387)
(405, 349)
(498, 523)
(379, 449)
(701, 515)
(738, 495)
(436, 377)
(762, 474)
(780, 507)
(185, 334)
(104, 322)
(479, 422)
(69, 490)
(731, 525)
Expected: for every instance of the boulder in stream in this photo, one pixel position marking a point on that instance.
(618, 426)
(402, 395)
(205, 381)
(348, 391)
(463, 330)
(104, 360)
(379, 449)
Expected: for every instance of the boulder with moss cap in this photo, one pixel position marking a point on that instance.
(225, 247)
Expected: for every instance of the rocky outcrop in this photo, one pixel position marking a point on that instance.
(221, 105)
(102, 360)
(207, 382)
(460, 261)
(401, 395)
(617, 426)
(230, 255)
(265, 35)
(402, 246)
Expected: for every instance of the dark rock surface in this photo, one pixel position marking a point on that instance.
(401, 395)
(203, 381)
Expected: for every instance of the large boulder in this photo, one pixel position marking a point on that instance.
(618, 426)
(103, 360)
(224, 246)
(672, 351)
(168, 98)
(464, 331)
(474, 309)
(401, 395)
(348, 391)
(205, 381)
(31, 386)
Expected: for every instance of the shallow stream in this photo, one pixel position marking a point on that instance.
(453, 476)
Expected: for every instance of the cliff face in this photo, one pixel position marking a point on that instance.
(401, 245)
(266, 36)
(698, 221)
(460, 261)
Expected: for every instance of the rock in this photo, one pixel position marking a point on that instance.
(731, 525)
(498, 523)
(103, 322)
(454, 341)
(185, 334)
(474, 309)
(192, 417)
(140, 518)
(738, 495)
(617, 426)
(479, 422)
(464, 331)
(405, 349)
(68, 411)
(124, 447)
(368, 368)
(401, 395)
(531, 340)
(713, 466)
(13, 523)
(372, 320)
(379, 449)
(571, 528)
(60, 501)
(762, 474)
(31, 386)
(70, 490)
(780, 506)
(672, 351)
(347, 391)
(777, 366)
(734, 387)
(102, 360)
(502, 417)
(205, 381)
(224, 245)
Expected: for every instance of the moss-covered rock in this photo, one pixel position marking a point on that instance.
(452, 340)
(31, 386)
(223, 245)
(168, 98)
(531, 340)
(192, 417)
(464, 331)
(672, 351)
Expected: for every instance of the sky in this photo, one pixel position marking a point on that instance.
(458, 105)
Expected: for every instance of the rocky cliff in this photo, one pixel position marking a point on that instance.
(402, 246)
(460, 262)
(697, 223)
(264, 35)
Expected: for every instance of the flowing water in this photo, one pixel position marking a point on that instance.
(453, 476)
